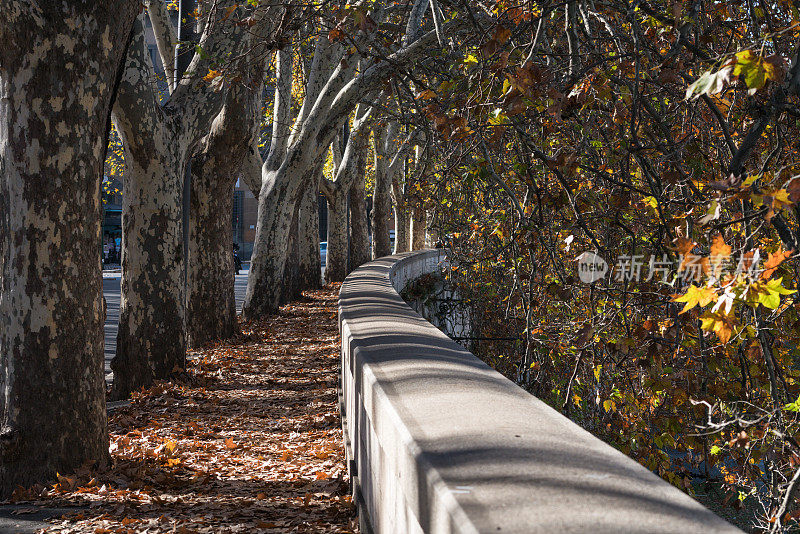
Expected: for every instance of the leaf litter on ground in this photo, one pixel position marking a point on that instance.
(248, 439)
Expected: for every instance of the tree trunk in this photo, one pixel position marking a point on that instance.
(359, 232)
(381, 199)
(151, 339)
(310, 268)
(158, 139)
(381, 209)
(291, 278)
(336, 261)
(58, 70)
(419, 227)
(266, 286)
(211, 312)
(151, 334)
(402, 225)
(303, 268)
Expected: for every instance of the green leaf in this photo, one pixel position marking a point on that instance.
(793, 406)
(769, 300)
(770, 295)
(650, 201)
(715, 450)
(756, 69)
(775, 285)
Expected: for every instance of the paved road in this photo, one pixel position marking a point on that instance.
(111, 292)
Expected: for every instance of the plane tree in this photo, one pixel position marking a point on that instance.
(60, 65)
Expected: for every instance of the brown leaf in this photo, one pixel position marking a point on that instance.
(774, 261)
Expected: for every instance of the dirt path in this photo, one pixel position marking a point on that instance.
(249, 441)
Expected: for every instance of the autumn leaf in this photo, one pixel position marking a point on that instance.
(721, 324)
(713, 213)
(683, 246)
(230, 444)
(228, 12)
(212, 75)
(774, 201)
(720, 251)
(336, 34)
(773, 261)
(769, 294)
(696, 296)
(710, 83)
(501, 34)
(793, 188)
(757, 70)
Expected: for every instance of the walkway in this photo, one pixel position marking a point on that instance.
(111, 283)
(249, 441)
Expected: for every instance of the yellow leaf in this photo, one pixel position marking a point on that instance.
(696, 296)
(719, 323)
(212, 74)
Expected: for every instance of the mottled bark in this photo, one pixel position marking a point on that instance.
(381, 196)
(419, 227)
(291, 281)
(151, 341)
(303, 268)
(166, 38)
(336, 260)
(211, 309)
(151, 337)
(311, 135)
(267, 287)
(359, 232)
(58, 69)
(309, 262)
(211, 312)
(402, 226)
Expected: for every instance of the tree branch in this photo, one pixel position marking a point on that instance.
(166, 38)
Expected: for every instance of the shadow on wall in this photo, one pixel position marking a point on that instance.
(450, 445)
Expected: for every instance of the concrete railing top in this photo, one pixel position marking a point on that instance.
(440, 442)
